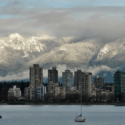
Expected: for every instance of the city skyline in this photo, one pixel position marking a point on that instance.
(62, 58)
(45, 74)
(36, 89)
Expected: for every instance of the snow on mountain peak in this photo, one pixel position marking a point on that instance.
(62, 49)
(113, 48)
(2, 44)
(103, 51)
(32, 40)
(15, 36)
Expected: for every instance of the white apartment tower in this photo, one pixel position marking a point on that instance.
(14, 93)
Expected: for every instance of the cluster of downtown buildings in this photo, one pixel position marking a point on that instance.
(37, 90)
(77, 83)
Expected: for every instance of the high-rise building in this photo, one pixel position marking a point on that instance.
(78, 78)
(52, 75)
(87, 82)
(99, 82)
(83, 81)
(67, 79)
(36, 81)
(119, 85)
(36, 75)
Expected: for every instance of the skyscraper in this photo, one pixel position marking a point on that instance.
(67, 79)
(52, 75)
(86, 88)
(78, 78)
(83, 81)
(36, 75)
(36, 80)
(119, 85)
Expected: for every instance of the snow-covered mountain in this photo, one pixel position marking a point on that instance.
(18, 53)
(112, 54)
(73, 54)
(33, 44)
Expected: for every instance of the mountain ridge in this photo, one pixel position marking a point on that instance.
(18, 53)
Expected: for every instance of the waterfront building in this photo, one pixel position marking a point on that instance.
(78, 78)
(36, 75)
(27, 93)
(39, 91)
(36, 81)
(119, 85)
(83, 81)
(67, 79)
(104, 95)
(14, 93)
(87, 83)
(51, 86)
(74, 95)
(52, 75)
(59, 92)
(99, 82)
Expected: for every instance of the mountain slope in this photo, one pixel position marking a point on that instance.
(112, 54)
(16, 51)
(73, 55)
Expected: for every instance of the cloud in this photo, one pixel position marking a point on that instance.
(97, 69)
(94, 70)
(82, 22)
(17, 76)
(61, 68)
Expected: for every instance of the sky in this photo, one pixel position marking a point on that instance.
(83, 19)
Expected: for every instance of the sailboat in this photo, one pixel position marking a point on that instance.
(79, 118)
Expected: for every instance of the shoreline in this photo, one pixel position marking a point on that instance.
(63, 103)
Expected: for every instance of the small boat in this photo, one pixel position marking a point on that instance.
(80, 118)
(0, 116)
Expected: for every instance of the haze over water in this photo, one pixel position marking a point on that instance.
(61, 115)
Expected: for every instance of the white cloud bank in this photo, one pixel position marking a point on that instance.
(61, 68)
(17, 76)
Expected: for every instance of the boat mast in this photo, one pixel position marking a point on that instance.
(81, 98)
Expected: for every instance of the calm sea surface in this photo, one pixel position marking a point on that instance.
(61, 115)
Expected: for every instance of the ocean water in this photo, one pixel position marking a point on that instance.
(61, 115)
